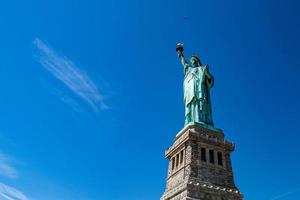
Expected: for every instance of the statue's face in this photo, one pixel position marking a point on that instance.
(194, 61)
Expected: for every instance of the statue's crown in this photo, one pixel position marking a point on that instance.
(194, 56)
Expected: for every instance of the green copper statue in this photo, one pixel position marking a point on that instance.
(197, 84)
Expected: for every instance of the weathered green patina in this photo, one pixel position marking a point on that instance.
(197, 85)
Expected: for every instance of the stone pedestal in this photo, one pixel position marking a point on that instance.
(200, 166)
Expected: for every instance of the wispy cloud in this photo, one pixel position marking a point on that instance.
(70, 101)
(10, 193)
(6, 168)
(67, 72)
(283, 195)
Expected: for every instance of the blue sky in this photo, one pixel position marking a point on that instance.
(91, 94)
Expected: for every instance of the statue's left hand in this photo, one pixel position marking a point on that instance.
(206, 70)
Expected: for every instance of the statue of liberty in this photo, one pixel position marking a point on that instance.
(197, 84)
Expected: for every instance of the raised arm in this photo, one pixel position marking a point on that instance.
(182, 59)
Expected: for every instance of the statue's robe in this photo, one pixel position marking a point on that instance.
(197, 101)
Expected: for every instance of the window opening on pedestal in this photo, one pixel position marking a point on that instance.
(220, 160)
(173, 163)
(211, 156)
(181, 157)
